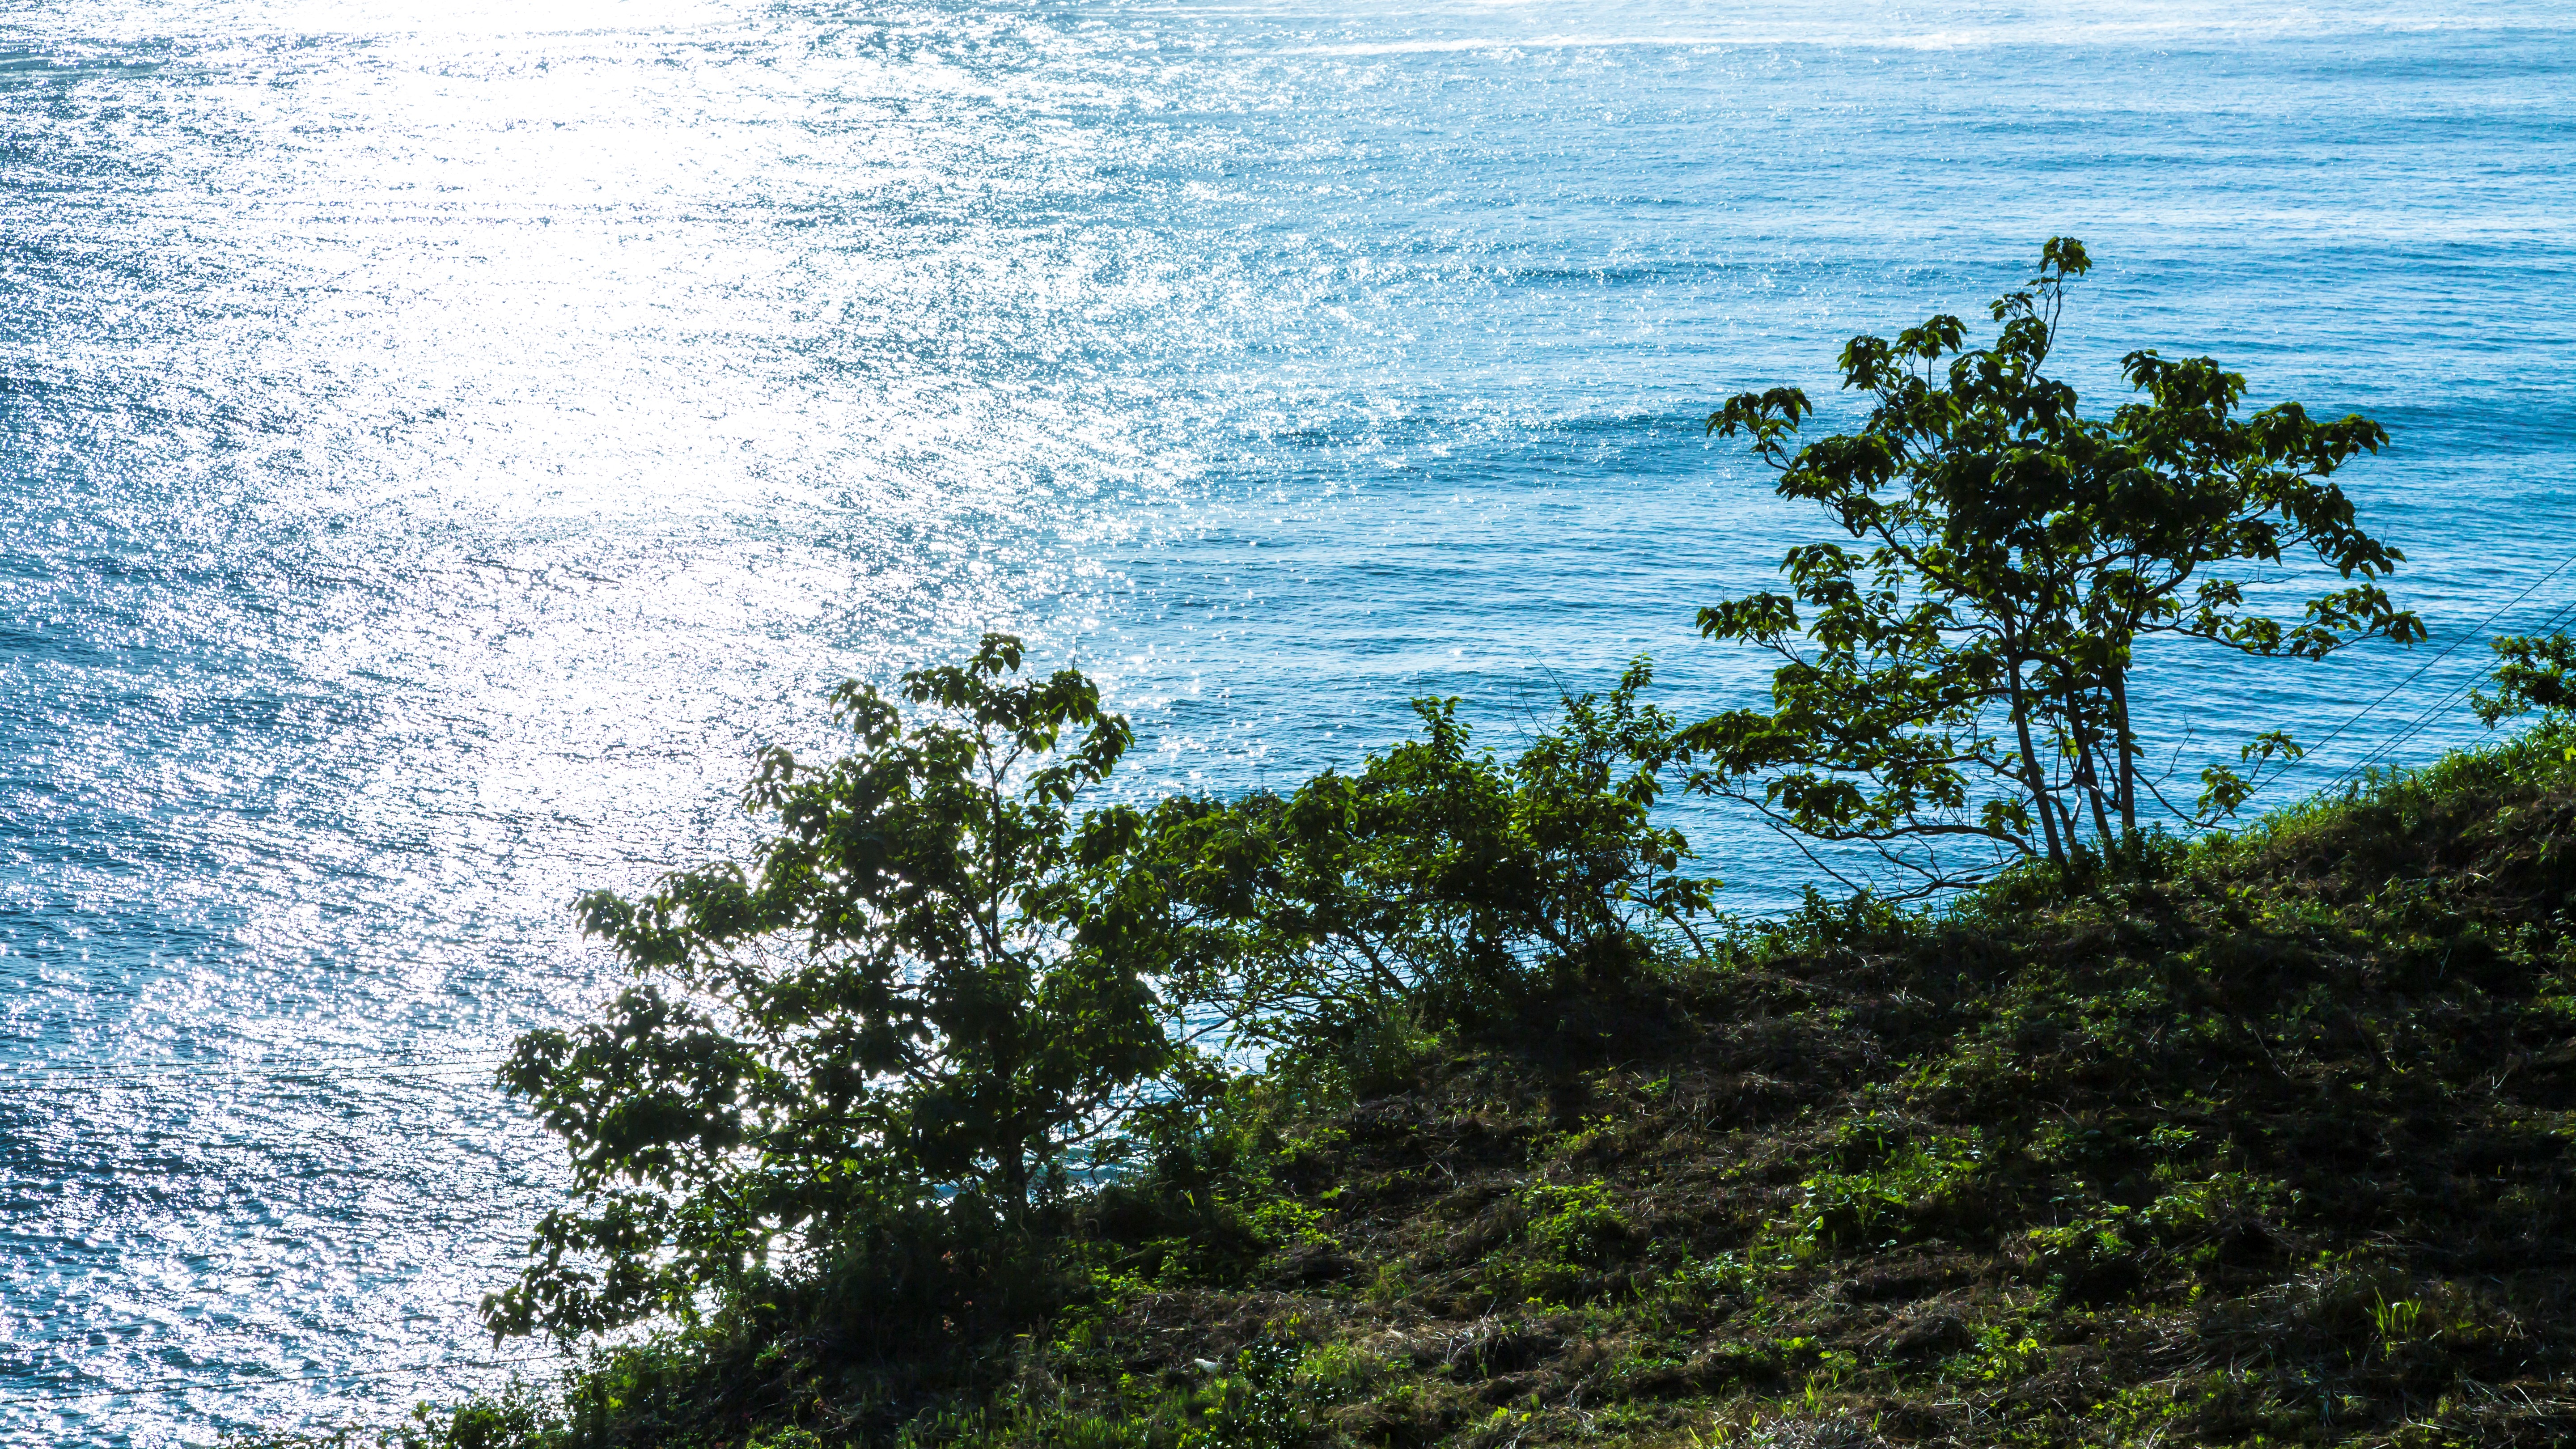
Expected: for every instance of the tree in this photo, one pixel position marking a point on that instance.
(913, 995)
(1961, 676)
(1436, 881)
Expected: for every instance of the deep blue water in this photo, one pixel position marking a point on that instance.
(437, 442)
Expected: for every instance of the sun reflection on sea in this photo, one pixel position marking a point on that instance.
(442, 441)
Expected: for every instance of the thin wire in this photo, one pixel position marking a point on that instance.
(2450, 697)
(2545, 626)
(134, 1332)
(106, 1071)
(187, 1386)
(256, 1064)
(2393, 691)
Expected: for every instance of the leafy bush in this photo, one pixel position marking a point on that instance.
(1886, 1183)
(876, 1043)
(1437, 886)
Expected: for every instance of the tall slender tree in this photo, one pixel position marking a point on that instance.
(1959, 674)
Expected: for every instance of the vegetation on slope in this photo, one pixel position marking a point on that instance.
(1428, 1103)
(2260, 1140)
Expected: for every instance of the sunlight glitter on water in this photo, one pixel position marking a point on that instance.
(439, 446)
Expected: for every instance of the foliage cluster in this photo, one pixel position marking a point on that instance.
(949, 992)
(2268, 1139)
(1962, 678)
(1429, 1102)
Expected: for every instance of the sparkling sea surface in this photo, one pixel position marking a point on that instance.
(438, 441)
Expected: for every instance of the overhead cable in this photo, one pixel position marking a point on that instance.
(189, 1386)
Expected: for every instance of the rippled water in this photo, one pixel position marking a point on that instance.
(438, 441)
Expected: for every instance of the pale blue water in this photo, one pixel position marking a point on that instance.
(437, 441)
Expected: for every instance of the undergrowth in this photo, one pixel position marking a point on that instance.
(2258, 1140)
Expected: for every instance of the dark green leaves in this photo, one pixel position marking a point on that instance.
(1437, 881)
(1961, 677)
(923, 988)
(2530, 673)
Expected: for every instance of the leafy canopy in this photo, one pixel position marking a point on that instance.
(1958, 675)
(2532, 672)
(913, 994)
(1436, 882)
(877, 1045)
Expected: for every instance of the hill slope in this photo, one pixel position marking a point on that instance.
(2260, 1141)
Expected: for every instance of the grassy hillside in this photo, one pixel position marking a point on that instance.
(2260, 1141)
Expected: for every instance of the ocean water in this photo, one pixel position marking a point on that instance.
(439, 441)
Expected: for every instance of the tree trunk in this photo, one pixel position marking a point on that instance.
(2087, 768)
(2117, 677)
(2031, 773)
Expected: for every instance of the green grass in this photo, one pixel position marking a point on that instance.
(2261, 1140)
